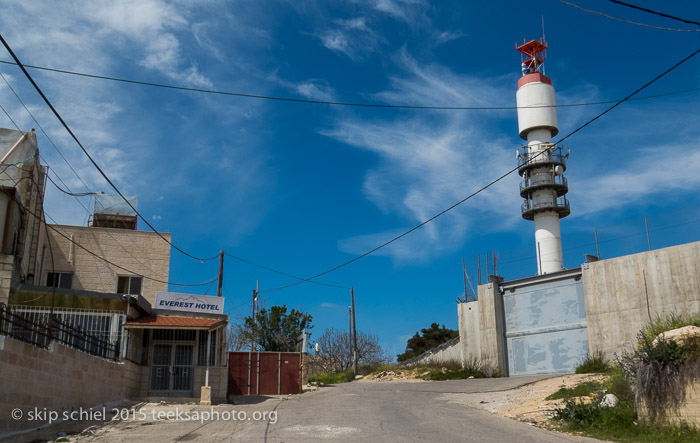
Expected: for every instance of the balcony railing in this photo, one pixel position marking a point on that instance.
(559, 205)
(548, 180)
(552, 156)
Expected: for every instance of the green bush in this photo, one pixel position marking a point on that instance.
(593, 364)
(666, 323)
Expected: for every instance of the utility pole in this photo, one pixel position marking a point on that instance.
(255, 305)
(350, 333)
(219, 292)
(354, 332)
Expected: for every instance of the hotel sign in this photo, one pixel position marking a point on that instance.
(174, 301)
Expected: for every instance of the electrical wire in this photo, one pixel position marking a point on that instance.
(137, 274)
(478, 191)
(333, 103)
(92, 160)
(74, 194)
(651, 11)
(41, 128)
(283, 273)
(626, 21)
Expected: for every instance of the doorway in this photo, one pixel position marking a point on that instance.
(172, 369)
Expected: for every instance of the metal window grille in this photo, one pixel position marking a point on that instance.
(94, 332)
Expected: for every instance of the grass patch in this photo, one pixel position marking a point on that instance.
(618, 424)
(458, 374)
(581, 390)
(593, 364)
(333, 378)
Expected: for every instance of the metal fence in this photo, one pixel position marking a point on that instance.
(38, 327)
(639, 234)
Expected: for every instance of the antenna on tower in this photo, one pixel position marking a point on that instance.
(544, 40)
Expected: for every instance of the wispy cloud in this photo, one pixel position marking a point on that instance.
(352, 37)
(641, 179)
(430, 160)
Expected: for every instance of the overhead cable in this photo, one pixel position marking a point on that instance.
(478, 191)
(283, 273)
(99, 169)
(651, 11)
(627, 21)
(338, 103)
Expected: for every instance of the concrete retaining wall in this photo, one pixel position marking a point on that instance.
(688, 413)
(616, 296)
(55, 379)
(446, 353)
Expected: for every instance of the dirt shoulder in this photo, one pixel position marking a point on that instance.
(526, 403)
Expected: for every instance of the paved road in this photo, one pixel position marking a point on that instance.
(360, 411)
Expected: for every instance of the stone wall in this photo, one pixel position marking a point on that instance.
(139, 251)
(619, 303)
(7, 266)
(55, 379)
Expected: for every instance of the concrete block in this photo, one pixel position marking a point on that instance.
(205, 398)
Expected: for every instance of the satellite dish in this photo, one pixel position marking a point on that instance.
(317, 347)
(558, 170)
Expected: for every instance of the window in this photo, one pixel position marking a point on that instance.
(59, 279)
(128, 285)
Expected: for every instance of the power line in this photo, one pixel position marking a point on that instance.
(57, 231)
(627, 21)
(99, 169)
(489, 184)
(651, 11)
(334, 103)
(283, 273)
(41, 128)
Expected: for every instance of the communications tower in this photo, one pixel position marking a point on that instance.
(541, 163)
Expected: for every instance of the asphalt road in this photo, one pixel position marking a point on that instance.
(360, 411)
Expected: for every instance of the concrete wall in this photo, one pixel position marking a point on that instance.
(7, 266)
(469, 331)
(56, 379)
(446, 353)
(139, 251)
(218, 380)
(491, 331)
(21, 234)
(616, 297)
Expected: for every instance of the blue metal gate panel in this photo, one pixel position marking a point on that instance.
(546, 331)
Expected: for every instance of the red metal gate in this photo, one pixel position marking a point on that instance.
(264, 373)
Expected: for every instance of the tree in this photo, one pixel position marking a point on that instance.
(276, 330)
(426, 340)
(336, 349)
(236, 337)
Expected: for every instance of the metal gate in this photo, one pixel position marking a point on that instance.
(545, 325)
(264, 373)
(172, 369)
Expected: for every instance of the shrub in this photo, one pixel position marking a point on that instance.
(593, 364)
(661, 370)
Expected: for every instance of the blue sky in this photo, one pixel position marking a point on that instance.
(304, 187)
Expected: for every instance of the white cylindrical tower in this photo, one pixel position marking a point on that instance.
(541, 164)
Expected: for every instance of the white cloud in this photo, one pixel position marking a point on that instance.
(316, 90)
(352, 37)
(430, 160)
(649, 173)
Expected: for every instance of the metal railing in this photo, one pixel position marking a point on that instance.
(551, 156)
(560, 205)
(544, 180)
(20, 327)
(38, 328)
